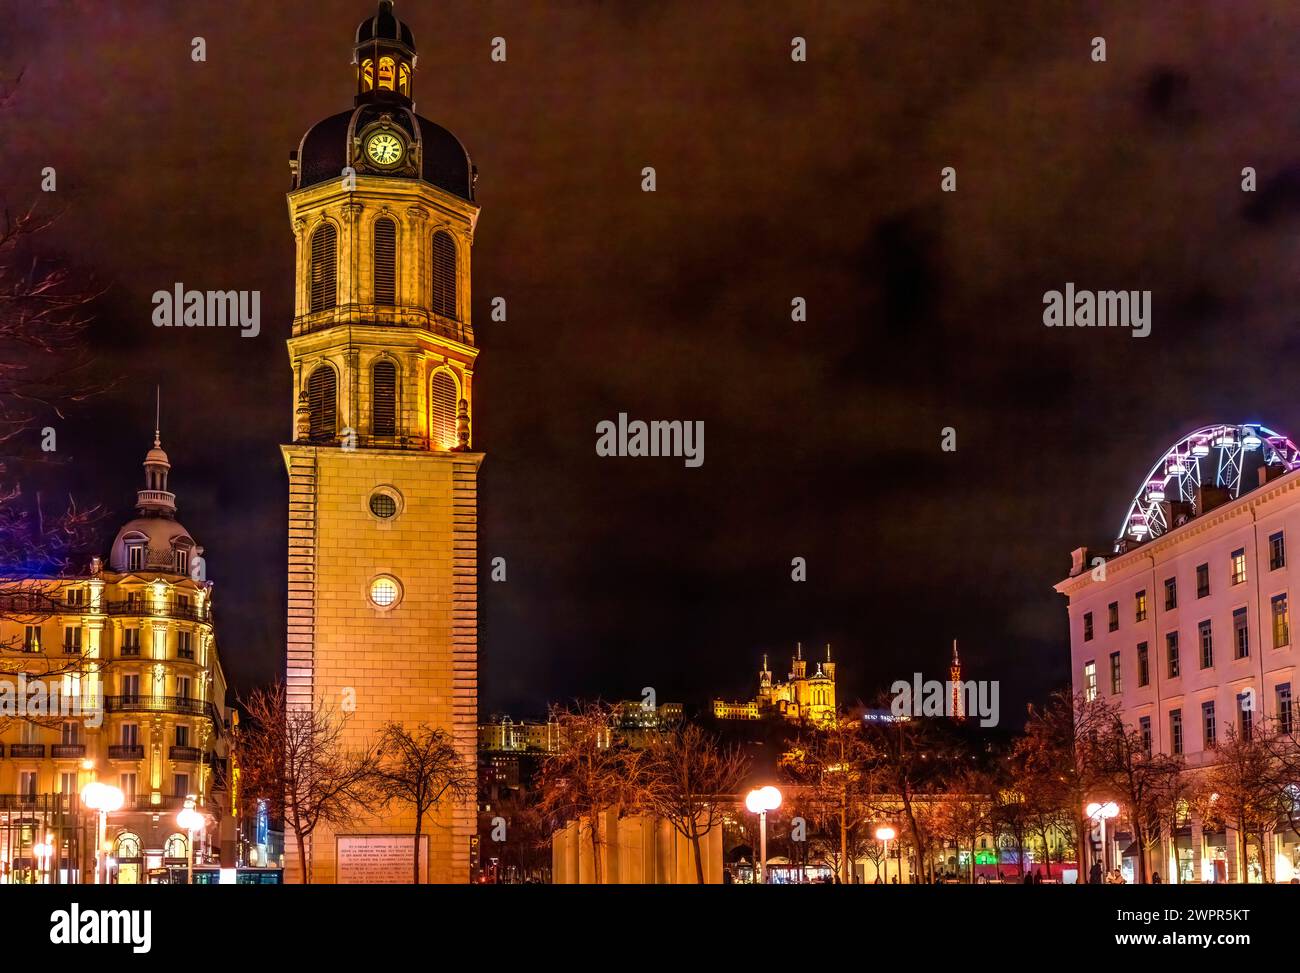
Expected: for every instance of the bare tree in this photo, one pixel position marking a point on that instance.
(420, 768)
(1147, 781)
(840, 772)
(1239, 790)
(963, 813)
(690, 780)
(294, 758)
(588, 774)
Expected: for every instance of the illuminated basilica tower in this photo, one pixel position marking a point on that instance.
(382, 619)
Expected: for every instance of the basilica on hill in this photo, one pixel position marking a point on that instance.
(801, 698)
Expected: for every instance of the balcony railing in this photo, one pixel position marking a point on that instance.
(192, 754)
(183, 705)
(65, 750)
(147, 607)
(126, 751)
(47, 803)
(27, 750)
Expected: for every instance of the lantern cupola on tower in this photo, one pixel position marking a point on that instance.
(385, 58)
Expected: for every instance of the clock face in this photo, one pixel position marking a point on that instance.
(384, 149)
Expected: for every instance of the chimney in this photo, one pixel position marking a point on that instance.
(1078, 561)
(1209, 497)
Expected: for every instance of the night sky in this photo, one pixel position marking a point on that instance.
(775, 179)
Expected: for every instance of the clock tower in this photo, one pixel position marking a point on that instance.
(382, 618)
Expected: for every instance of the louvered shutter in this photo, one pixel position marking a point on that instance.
(383, 398)
(444, 274)
(322, 393)
(324, 268)
(385, 262)
(442, 410)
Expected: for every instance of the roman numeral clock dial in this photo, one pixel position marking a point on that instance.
(384, 149)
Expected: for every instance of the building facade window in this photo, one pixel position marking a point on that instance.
(1238, 574)
(31, 638)
(1144, 725)
(1281, 621)
(184, 645)
(1112, 616)
(1208, 728)
(1087, 626)
(1176, 731)
(1116, 679)
(1090, 681)
(1284, 707)
(135, 557)
(130, 641)
(1207, 644)
(1140, 606)
(1240, 634)
(1171, 653)
(72, 639)
(1144, 665)
(1171, 594)
(1246, 715)
(1202, 581)
(1276, 551)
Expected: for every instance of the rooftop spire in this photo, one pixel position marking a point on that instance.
(155, 500)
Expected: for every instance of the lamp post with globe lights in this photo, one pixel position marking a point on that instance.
(191, 820)
(1100, 813)
(760, 801)
(103, 799)
(44, 852)
(886, 834)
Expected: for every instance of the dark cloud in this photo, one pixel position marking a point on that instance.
(775, 180)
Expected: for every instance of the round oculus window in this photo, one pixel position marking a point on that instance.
(385, 591)
(383, 505)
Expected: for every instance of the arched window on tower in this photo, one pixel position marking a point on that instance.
(443, 398)
(444, 274)
(322, 397)
(324, 267)
(385, 264)
(383, 398)
(367, 75)
(404, 79)
(387, 73)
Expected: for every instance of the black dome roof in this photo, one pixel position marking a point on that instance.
(385, 26)
(323, 153)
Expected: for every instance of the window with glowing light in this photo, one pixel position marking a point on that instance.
(367, 75)
(1239, 565)
(1281, 621)
(385, 592)
(387, 74)
(443, 398)
(1090, 681)
(1140, 606)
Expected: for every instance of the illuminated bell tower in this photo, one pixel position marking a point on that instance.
(382, 621)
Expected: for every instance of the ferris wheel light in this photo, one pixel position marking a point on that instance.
(1226, 438)
(1176, 465)
(1155, 490)
(1200, 448)
(1250, 438)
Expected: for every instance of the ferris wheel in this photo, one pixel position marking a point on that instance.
(1212, 455)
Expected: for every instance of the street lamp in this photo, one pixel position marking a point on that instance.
(191, 820)
(1100, 812)
(760, 801)
(104, 799)
(44, 852)
(887, 834)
